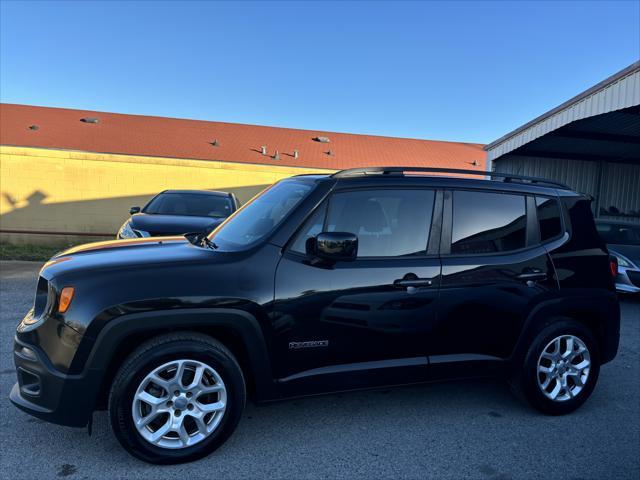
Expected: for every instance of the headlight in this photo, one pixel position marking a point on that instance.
(623, 261)
(31, 321)
(126, 231)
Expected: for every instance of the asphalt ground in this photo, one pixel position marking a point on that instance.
(466, 429)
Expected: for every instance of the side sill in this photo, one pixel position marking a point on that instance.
(359, 366)
(393, 363)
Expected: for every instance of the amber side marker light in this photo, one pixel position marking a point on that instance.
(65, 299)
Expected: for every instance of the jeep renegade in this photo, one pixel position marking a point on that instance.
(364, 278)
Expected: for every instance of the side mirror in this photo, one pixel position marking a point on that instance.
(133, 210)
(334, 246)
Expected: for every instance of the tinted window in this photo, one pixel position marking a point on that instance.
(261, 215)
(487, 222)
(192, 204)
(311, 228)
(619, 233)
(549, 221)
(388, 223)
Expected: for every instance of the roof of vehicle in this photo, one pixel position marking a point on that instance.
(202, 192)
(446, 177)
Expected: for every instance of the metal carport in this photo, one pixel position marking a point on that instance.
(591, 142)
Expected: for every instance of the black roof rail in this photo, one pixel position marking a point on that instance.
(506, 177)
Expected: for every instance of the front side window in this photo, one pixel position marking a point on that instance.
(388, 223)
(311, 228)
(548, 211)
(487, 223)
(191, 204)
(261, 215)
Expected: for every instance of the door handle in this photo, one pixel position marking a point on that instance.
(532, 276)
(413, 282)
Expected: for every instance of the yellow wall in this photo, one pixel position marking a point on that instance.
(69, 191)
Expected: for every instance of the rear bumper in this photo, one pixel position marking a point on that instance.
(46, 393)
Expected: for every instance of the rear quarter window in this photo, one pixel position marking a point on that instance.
(549, 218)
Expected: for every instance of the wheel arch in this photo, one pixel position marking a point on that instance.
(600, 313)
(238, 330)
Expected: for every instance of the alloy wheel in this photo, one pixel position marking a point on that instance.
(179, 404)
(563, 368)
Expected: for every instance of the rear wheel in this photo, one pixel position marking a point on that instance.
(176, 398)
(560, 369)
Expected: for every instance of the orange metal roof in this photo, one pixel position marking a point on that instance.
(61, 128)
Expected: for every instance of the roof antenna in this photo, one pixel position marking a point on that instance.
(263, 150)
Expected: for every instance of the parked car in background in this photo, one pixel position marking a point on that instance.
(623, 241)
(363, 278)
(176, 212)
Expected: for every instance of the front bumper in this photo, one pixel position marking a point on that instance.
(49, 394)
(628, 280)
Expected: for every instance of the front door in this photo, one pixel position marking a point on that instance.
(366, 315)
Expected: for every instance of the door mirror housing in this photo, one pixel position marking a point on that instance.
(334, 246)
(133, 210)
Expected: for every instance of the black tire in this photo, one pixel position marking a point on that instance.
(525, 380)
(154, 353)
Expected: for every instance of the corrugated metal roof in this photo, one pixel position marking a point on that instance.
(619, 91)
(29, 126)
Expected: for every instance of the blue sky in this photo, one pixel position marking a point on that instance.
(460, 71)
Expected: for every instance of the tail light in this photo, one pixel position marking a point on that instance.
(613, 265)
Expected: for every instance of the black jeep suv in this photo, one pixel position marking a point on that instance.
(364, 278)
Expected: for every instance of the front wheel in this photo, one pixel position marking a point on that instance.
(560, 369)
(176, 398)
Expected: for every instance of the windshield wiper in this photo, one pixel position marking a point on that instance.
(200, 240)
(209, 243)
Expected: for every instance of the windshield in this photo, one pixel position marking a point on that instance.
(619, 233)
(191, 204)
(260, 216)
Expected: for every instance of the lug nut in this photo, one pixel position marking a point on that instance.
(176, 393)
(178, 412)
(190, 407)
(169, 403)
(189, 394)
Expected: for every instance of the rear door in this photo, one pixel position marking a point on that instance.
(494, 271)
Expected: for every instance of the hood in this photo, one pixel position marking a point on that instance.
(173, 224)
(632, 252)
(120, 254)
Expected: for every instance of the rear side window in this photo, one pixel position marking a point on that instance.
(548, 211)
(487, 223)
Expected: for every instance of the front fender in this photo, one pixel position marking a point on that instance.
(116, 331)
